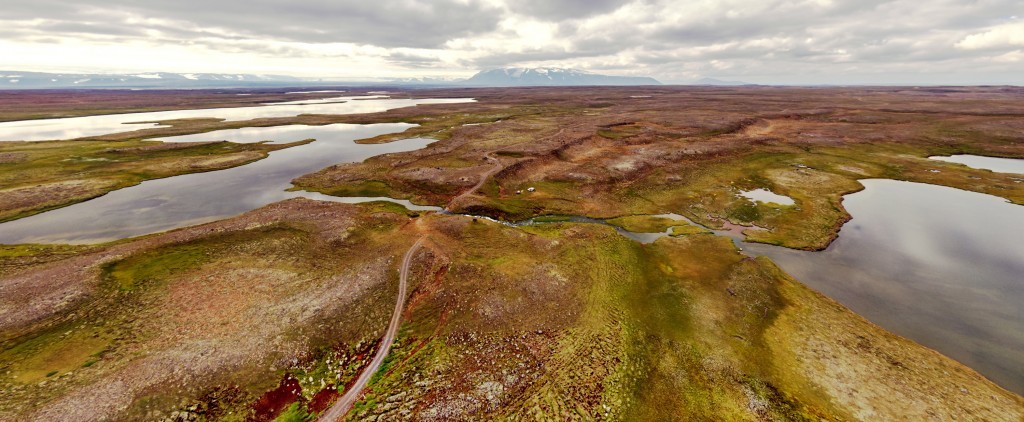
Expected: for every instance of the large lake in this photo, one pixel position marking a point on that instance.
(179, 201)
(938, 265)
(77, 127)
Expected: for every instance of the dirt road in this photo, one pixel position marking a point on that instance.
(342, 406)
(483, 179)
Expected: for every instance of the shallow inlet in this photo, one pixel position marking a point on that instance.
(941, 266)
(77, 127)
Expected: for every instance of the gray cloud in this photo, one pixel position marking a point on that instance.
(564, 9)
(387, 23)
(420, 61)
(760, 41)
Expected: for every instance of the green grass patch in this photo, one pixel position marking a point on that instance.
(56, 351)
(687, 229)
(295, 413)
(128, 274)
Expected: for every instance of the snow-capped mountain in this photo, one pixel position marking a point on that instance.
(545, 76)
(425, 81)
(36, 80)
(165, 80)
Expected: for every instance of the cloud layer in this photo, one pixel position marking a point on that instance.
(767, 41)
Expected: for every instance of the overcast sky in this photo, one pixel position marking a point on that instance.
(759, 41)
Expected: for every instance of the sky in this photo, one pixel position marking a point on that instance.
(756, 41)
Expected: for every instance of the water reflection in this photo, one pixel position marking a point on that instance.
(163, 204)
(767, 196)
(941, 266)
(77, 127)
(1001, 165)
(245, 135)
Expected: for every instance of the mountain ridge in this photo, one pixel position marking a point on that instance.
(501, 77)
(551, 76)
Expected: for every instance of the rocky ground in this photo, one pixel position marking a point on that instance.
(274, 311)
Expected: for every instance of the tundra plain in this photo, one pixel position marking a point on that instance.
(272, 314)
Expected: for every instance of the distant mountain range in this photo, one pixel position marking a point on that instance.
(718, 82)
(546, 76)
(487, 78)
(35, 80)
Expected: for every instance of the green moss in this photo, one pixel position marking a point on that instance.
(130, 273)
(371, 188)
(294, 413)
(746, 212)
(58, 350)
(688, 229)
(366, 403)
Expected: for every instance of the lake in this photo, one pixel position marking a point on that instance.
(938, 265)
(163, 204)
(1001, 165)
(245, 135)
(77, 127)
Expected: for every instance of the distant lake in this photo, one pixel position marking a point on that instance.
(938, 265)
(246, 135)
(1001, 165)
(77, 127)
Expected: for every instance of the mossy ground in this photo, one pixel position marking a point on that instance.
(632, 157)
(559, 320)
(572, 321)
(268, 315)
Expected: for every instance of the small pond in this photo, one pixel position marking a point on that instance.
(767, 196)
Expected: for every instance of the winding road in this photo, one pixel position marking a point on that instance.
(483, 179)
(342, 406)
